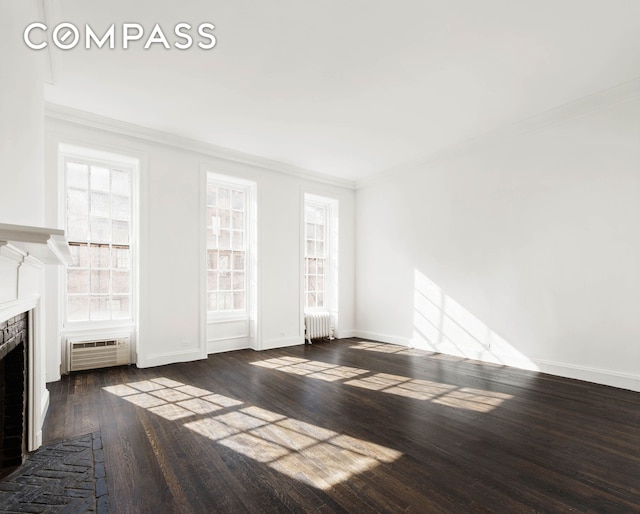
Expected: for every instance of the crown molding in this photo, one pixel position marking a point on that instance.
(87, 119)
(592, 103)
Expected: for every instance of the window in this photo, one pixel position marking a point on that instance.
(315, 254)
(227, 241)
(98, 212)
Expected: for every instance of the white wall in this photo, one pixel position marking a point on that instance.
(522, 249)
(171, 325)
(22, 119)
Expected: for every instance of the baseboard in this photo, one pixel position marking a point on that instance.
(598, 376)
(227, 345)
(588, 374)
(271, 344)
(381, 338)
(346, 334)
(162, 359)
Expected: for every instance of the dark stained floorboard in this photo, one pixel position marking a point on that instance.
(432, 433)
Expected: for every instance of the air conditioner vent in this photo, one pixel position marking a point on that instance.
(99, 353)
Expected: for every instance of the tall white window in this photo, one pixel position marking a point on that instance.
(316, 251)
(227, 243)
(320, 281)
(99, 219)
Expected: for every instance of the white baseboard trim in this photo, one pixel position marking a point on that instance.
(587, 374)
(381, 338)
(271, 344)
(227, 345)
(161, 359)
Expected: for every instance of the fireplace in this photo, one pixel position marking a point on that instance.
(14, 395)
(25, 255)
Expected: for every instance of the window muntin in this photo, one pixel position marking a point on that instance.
(226, 248)
(98, 221)
(315, 255)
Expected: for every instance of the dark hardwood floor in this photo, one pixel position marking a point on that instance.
(351, 426)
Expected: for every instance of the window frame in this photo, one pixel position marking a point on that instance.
(131, 165)
(227, 182)
(331, 271)
(326, 207)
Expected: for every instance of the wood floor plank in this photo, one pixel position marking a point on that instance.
(353, 426)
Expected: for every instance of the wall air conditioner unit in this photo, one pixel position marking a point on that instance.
(100, 353)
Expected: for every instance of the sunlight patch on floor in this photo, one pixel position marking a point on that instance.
(315, 369)
(476, 400)
(311, 454)
(389, 348)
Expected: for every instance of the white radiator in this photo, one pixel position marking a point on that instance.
(317, 325)
(101, 353)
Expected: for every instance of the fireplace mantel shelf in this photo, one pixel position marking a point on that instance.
(48, 245)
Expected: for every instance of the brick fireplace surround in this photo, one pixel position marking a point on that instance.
(13, 392)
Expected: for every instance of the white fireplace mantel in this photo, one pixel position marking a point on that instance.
(24, 252)
(48, 245)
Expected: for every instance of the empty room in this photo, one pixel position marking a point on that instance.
(298, 256)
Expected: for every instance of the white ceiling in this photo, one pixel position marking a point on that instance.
(348, 87)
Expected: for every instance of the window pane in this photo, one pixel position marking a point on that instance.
(238, 220)
(224, 260)
(311, 249)
(99, 308)
(100, 256)
(238, 281)
(238, 301)
(225, 301)
(78, 308)
(311, 231)
(120, 257)
(77, 203)
(120, 183)
(311, 267)
(120, 232)
(79, 254)
(224, 281)
(120, 282)
(224, 240)
(100, 230)
(100, 204)
(77, 228)
(77, 281)
(238, 200)
(120, 207)
(120, 307)
(320, 249)
(213, 302)
(212, 281)
(238, 261)
(320, 232)
(311, 300)
(319, 299)
(100, 179)
(77, 175)
(100, 281)
(238, 240)
(213, 259)
(223, 198)
(224, 217)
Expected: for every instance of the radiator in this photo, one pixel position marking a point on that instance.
(99, 353)
(317, 325)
